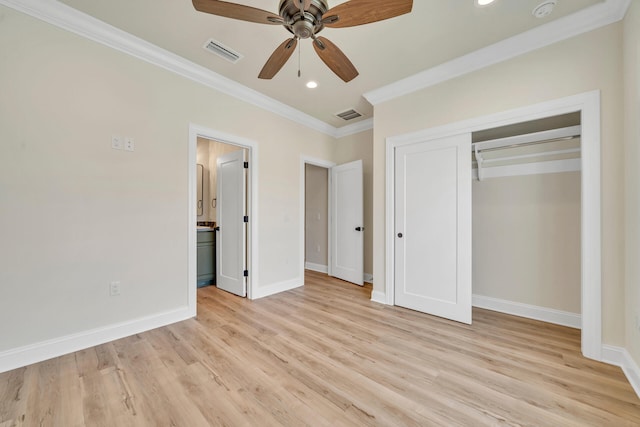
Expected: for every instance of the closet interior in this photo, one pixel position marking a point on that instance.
(526, 238)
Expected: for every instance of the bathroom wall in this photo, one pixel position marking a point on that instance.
(207, 154)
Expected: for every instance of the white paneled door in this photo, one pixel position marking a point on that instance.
(231, 230)
(433, 227)
(347, 228)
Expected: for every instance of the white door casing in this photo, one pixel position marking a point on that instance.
(231, 228)
(588, 104)
(433, 227)
(347, 228)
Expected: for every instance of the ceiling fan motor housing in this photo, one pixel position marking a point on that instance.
(303, 25)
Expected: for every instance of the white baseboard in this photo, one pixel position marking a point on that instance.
(377, 296)
(276, 288)
(316, 267)
(325, 269)
(544, 314)
(620, 357)
(38, 352)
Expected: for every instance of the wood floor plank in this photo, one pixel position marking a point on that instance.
(324, 355)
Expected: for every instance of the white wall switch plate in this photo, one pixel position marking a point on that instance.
(114, 289)
(116, 142)
(129, 144)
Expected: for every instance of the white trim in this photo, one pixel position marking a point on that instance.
(70, 19)
(534, 168)
(316, 267)
(34, 353)
(583, 21)
(528, 138)
(379, 297)
(591, 258)
(549, 315)
(323, 164)
(196, 131)
(366, 277)
(620, 357)
(354, 128)
(276, 288)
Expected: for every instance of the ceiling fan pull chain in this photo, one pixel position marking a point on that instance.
(299, 49)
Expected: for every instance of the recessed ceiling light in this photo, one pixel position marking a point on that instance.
(484, 2)
(312, 85)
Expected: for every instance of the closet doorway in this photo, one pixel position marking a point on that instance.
(584, 107)
(526, 219)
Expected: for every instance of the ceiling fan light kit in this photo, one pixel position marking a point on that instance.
(305, 19)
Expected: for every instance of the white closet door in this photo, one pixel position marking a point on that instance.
(433, 227)
(347, 241)
(230, 237)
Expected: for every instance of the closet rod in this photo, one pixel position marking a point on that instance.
(526, 144)
(560, 134)
(532, 155)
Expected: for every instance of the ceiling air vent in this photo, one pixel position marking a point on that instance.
(349, 114)
(223, 51)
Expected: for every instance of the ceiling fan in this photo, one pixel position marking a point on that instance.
(306, 18)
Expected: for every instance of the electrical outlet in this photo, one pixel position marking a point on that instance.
(116, 142)
(114, 288)
(318, 248)
(129, 144)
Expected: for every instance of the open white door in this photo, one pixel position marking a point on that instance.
(231, 228)
(347, 228)
(433, 227)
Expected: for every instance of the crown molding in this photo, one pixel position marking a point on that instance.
(354, 128)
(583, 21)
(70, 19)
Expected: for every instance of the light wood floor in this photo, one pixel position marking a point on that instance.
(324, 355)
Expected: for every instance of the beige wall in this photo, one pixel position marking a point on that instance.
(76, 214)
(526, 239)
(632, 181)
(591, 61)
(316, 211)
(360, 147)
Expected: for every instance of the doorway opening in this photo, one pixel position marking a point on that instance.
(210, 149)
(316, 218)
(315, 213)
(334, 192)
(526, 217)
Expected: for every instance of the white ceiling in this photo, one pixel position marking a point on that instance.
(436, 31)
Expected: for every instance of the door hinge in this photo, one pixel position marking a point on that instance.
(246, 219)
(246, 273)
(246, 165)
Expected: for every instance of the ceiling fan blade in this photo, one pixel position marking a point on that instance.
(335, 59)
(278, 58)
(359, 12)
(237, 11)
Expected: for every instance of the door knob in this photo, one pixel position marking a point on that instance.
(400, 235)
(359, 228)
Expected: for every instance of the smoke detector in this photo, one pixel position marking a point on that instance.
(544, 9)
